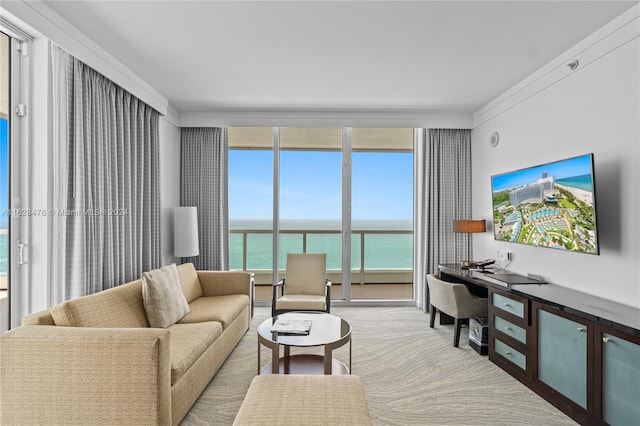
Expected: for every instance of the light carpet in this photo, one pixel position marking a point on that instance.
(412, 375)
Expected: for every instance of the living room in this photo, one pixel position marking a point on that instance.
(544, 111)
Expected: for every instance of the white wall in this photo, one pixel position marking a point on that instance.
(170, 184)
(593, 109)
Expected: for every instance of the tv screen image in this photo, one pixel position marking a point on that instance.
(550, 205)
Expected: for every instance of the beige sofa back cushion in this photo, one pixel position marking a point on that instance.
(191, 287)
(39, 318)
(116, 307)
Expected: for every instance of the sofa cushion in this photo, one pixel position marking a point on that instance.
(162, 296)
(113, 308)
(188, 343)
(189, 281)
(291, 399)
(223, 309)
(39, 318)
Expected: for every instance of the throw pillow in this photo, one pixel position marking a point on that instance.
(163, 300)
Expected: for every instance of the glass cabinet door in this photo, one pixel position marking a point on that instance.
(620, 381)
(562, 356)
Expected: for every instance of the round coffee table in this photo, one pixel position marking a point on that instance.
(327, 330)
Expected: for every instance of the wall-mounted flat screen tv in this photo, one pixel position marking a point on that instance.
(550, 205)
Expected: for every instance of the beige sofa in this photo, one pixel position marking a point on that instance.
(107, 366)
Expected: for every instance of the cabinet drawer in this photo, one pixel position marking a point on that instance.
(510, 329)
(508, 305)
(507, 352)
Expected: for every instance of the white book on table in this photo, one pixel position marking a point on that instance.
(291, 326)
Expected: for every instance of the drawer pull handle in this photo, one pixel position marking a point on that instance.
(506, 304)
(606, 339)
(581, 330)
(507, 353)
(506, 327)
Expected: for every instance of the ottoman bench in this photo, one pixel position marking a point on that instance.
(304, 400)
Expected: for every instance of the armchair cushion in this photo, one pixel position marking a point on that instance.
(306, 273)
(302, 302)
(162, 296)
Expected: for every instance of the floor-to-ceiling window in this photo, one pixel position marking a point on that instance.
(251, 203)
(382, 213)
(310, 201)
(306, 172)
(4, 180)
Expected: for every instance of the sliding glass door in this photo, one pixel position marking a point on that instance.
(310, 202)
(251, 204)
(382, 213)
(5, 55)
(344, 192)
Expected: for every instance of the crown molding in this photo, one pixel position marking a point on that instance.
(40, 18)
(323, 117)
(615, 34)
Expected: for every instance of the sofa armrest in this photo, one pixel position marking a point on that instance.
(221, 283)
(78, 375)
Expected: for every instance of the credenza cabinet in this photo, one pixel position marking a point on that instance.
(589, 371)
(580, 353)
(617, 376)
(509, 333)
(563, 361)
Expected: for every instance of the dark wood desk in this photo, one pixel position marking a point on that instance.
(592, 308)
(576, 350)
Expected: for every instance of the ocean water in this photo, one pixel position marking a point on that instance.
(583, 182)
(381, 250)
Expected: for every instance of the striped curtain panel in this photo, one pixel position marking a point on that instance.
(443, 193)
(108, 165)
(204, 184)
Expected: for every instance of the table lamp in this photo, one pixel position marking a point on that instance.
(469, 226)
(185, 232)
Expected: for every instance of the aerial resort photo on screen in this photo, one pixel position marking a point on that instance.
(551, 205)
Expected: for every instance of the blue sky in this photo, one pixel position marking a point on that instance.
(311, 182)
(571, 167)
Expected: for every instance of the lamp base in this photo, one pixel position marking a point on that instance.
(467, 263)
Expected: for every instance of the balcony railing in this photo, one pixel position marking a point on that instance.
(378, 256)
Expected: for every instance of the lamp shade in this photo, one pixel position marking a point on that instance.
(185, 232)
(469, 225)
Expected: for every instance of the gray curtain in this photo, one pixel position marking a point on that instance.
(109, 152)
(443, 193)
(203, 184)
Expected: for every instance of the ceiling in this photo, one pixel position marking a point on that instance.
(452, 56)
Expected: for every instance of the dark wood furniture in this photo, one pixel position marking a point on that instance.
(579, 352)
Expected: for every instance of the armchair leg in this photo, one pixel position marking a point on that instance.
(456, 336)
(328, 299)
(432, 315)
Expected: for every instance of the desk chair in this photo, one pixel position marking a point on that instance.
(305, 286)
(455, 300)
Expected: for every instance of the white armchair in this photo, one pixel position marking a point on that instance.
(305, 286)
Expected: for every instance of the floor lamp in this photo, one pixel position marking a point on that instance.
(469, 226)
(185, 232)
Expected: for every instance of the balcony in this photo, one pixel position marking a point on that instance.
(381, 259)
